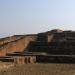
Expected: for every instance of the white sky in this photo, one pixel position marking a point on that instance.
(33, 16)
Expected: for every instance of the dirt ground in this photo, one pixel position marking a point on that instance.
(40, 69)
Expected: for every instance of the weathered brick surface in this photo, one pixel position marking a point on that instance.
(16, 46)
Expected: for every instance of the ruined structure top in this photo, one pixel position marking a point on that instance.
(52, 43)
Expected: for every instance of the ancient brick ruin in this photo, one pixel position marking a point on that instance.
(51, 46)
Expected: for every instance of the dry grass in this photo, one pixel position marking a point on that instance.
(41, 69)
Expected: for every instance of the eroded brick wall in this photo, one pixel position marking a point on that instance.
(9, 39)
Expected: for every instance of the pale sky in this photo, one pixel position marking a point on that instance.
(33, 16)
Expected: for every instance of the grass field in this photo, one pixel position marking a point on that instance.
(40, 69)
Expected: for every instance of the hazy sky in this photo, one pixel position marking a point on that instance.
(33, 16)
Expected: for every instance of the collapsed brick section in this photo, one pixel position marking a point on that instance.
(17, 45)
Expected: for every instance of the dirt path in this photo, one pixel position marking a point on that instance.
(41, 69)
